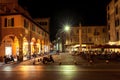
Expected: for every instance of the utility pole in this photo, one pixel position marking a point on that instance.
(80, 37)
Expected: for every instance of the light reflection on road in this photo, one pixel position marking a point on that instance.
(69, 71)
(7, 68)
(58, 72)
(64, 68)
(30, 68)
(68, 68)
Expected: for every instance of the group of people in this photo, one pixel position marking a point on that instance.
(48, 59)
(8, 59)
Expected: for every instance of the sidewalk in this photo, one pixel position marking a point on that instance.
(2, 63)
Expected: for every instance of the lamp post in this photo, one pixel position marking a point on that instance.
(80, 37)
(61, 38)
(67, 30)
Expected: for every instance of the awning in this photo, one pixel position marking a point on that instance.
(105, 46)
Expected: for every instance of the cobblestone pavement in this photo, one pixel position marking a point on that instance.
(66, 59)
(63, 58)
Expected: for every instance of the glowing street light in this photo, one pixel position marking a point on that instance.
(67, 28)
(62, 38)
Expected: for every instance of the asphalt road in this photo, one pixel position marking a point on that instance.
(68, 70)
(58, 72)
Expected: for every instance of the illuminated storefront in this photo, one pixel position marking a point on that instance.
(21, 36)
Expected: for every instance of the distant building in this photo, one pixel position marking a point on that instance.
(95, 35)
(90, 35)
(12, 6)
(44, 23)
(20, 35)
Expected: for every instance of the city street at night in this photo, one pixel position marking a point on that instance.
(60, 40)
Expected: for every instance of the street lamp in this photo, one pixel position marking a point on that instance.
(67, 40)
(61, 39)
(67, 28)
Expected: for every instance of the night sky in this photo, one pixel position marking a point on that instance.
(73, 12)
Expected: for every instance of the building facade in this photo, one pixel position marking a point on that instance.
(44, 22)
(20, 35)
(90, 35)
(113, 22)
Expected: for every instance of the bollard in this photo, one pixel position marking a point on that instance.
(107, 61)
(34, 62)
(91, 61)
(38, 60)
(60, 63)
(75, 62)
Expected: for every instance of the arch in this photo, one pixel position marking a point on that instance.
(33, 45)
(9, 45)
(11, 36)
(38, 47)
(25, 47)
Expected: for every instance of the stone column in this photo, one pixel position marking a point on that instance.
(20, 56)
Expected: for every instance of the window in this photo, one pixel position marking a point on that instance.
(77, 31)
(9, 22)
(116, 9)
(109, 37)
(43, 33)
(71, 33)
(108, 26)
(33, 27)
(89, 30)
(26, 23)
(2, 7)
(116, 22)
(116, 1)
(40, 23)
(7, 10)
(90, 39)
(12, 22)
(96, 32)
(108, 8)
(5, 23)
(117, 36)
(45, 23)
(39, 31)
(103, 30)
(108, 17)
(84, 30)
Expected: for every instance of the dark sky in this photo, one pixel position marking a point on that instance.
(88, 12)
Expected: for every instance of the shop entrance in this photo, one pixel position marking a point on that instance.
(8, 50)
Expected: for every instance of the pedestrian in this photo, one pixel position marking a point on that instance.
(5, 59)
(51, 58)
(12, 58)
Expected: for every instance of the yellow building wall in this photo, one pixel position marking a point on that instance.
(18, 20)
